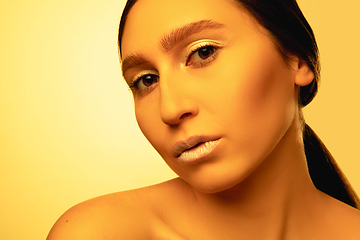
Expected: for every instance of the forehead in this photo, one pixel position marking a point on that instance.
(149, 20)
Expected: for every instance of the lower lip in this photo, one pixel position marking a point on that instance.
(199, 152)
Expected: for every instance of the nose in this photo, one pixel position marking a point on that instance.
(177, 103)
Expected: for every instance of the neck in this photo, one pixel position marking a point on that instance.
(274, 197)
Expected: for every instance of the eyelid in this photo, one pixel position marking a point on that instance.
(135, 78)
(195, 46)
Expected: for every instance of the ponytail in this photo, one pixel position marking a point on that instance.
(324, 172)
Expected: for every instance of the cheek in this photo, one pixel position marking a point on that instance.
(148, 119)
(268, 93)
(147, 112)
(258, 99)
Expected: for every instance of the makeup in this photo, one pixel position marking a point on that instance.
(193, 54)
(195, 148)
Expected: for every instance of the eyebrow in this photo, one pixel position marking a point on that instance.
(131, 61)
(171, 39)
(177, 35)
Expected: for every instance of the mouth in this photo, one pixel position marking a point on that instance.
(195, 147)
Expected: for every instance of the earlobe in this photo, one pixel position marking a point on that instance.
(304, 74)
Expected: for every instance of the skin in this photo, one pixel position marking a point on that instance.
(255, 183)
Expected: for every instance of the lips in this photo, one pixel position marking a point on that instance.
(195, 147)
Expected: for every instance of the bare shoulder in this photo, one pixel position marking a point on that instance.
(349, 220)
(120, 214)
(344, 221)
(123, 215)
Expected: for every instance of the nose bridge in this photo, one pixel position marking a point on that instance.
(176, 99)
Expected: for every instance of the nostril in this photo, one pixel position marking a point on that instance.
(174, 108)
(185, 115)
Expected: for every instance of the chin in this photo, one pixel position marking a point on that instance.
(217, 183)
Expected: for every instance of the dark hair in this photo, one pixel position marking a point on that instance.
(293, 35)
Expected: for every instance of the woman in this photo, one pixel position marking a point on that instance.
(218, 88)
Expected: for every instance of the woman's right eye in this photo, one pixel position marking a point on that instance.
(144, 82)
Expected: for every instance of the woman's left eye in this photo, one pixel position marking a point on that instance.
(201, 56)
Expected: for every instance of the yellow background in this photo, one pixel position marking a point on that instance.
(67, 128)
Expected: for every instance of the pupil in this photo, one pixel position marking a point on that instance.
(148, 80)
(206, 52)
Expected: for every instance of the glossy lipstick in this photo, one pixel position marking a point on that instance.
(195, 147)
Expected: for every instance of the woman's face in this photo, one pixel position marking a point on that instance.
(212, 93)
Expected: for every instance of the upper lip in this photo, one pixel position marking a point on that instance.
(182, 146)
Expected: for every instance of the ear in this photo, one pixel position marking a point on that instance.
(303, 73)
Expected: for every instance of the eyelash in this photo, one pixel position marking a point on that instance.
(206, 61)
(136, 80)
(134, 84)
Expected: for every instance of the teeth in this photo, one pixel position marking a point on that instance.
(197, 152)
